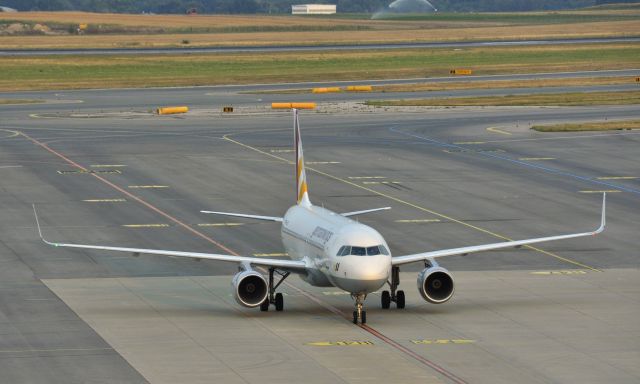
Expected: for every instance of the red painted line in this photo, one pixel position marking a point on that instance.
(328, 306)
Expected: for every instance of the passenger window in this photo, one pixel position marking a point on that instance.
(358, 251)
(372, 251)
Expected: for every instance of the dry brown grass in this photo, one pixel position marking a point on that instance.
(388, 34)
(594, 126)
(19, 101)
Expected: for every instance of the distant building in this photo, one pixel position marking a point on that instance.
(313, 9)
(7, 9)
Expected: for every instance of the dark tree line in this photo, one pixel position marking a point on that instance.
(284, 6)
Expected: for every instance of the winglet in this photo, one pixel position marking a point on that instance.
(603, 220)
(38, 225)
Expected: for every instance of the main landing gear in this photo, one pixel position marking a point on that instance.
(359, 313)
(397, 297)
(273, 297)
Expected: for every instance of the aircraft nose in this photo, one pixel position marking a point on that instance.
(363, 274)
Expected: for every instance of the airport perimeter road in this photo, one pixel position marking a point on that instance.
(306, 48)
(562, 312)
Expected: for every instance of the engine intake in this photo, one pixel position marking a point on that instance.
(250, 288)
(435, 284)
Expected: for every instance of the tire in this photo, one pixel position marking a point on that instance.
(355, 317)
(279, 302)
(400, 299)
(364, 317)
(385, 300)
(264, 307)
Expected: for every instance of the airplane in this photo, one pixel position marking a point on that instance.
(329, 249)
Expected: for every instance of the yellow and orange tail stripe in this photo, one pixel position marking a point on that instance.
(302, 196)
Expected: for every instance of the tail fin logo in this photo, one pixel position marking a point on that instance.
(302, 196)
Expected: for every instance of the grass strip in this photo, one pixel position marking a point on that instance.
(113, 71)
(554, 99)
(19, 101)
(591, 126)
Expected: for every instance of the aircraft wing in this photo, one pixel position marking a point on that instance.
(257, 217)
(356, 213)
(290, 265)
(399, 260)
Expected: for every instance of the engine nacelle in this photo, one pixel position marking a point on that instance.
(250, 288)
(435, 284)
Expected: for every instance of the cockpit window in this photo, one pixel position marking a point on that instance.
(358, 251)
(344, 250)
(362, 251)
(372, 251)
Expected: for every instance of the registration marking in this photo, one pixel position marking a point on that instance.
(601, 191)
(443, 341)
(219, 224)
(563, 272)
(145, 225)
(618, 178)
(418, 221)
(147, 186)
(536, 158)
(341, 343)
(104, 200)
(270, 254)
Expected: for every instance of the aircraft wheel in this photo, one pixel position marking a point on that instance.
(264, 307)
(364, 317)
(279, 302)
(400, 299)
(385, 300)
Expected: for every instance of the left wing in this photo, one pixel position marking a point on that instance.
(399, 260)
(290, 265)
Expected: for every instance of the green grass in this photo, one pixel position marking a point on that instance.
(556, 99)
(19, 101)
(590, 126)
(64, 72)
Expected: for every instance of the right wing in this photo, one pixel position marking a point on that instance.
(290, 265)
(399, 260)
(268, 218)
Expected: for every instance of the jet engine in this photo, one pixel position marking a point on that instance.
(250, 288)
(435, 284)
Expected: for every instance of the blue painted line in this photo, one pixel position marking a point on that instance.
(520, 162)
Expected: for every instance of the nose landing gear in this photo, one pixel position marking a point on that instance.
(359, 314)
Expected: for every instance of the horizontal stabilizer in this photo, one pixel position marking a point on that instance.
(258, 217)
(356, 213)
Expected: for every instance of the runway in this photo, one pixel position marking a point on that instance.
(562, 312)
(309, 48)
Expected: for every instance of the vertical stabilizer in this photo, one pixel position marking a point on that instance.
(302, 194)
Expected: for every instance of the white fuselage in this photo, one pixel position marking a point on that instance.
(317, 236)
